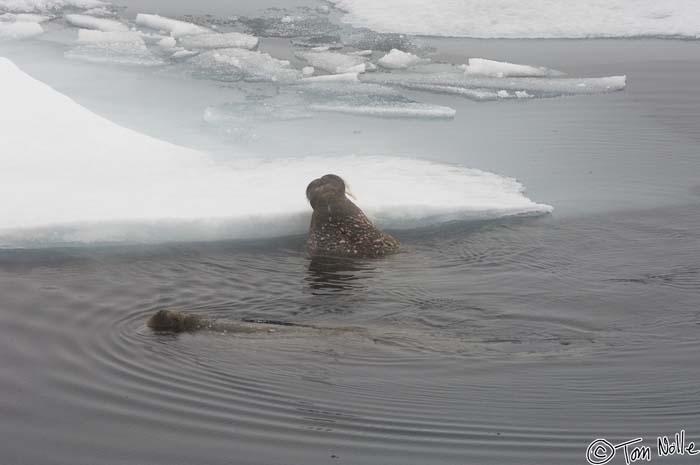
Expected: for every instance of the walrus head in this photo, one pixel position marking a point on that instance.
(325, 190)
(172, 320)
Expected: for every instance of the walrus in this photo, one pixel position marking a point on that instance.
(176, 321)
(339, 228)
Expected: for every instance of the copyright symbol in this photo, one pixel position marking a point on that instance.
(600, 452)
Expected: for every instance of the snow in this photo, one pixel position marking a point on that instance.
(87, 179)
(174, 27)
(100, 24)
(397, 59)
(333, 62)
(44, 6)
(527, 19)
(484, 67)
(19, 30)
(235, 64)
(226, 40)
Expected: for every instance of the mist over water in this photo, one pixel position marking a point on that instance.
(489, 339)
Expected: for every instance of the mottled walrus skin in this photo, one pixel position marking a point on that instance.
(339, 228)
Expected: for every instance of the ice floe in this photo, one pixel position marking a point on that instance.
(490, 88)
(397, 59)
(87, 179)
(527, 19)
(123, 48)
(225, 40)
(389, 110)
(236, 64)
(174, 27)
(484, 67)
(334, 62)
(100, 24)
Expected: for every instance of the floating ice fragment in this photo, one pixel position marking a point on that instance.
(333, 62)
(183, 54)
(345, 77)
(308, 71)
(167, 42)
(483, 67)
(235, 64)
(458, 83)
(174, 27)
(225, 40)
(19, 30)
(397, 59)
(100, 24)
(124, 48)
(390, 110)
(24, 18)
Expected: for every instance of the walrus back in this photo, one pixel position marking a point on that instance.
(341, 229)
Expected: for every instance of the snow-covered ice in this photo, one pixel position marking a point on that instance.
(334, 62)
(87, 179)
(397, 59)
(100, 24)
(174, 27)
(225, 40)
(527, 19)
(484, 67)
(236, 64)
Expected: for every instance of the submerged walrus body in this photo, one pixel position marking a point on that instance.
(174, 321)
(339, 228)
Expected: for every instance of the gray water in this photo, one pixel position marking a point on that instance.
(517, 341)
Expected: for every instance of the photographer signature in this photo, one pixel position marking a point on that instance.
(602, 451)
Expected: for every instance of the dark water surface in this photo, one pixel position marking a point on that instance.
(515, 341)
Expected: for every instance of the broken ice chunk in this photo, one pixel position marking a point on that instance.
(174, 27)
(125, 48)
(483, 67)
(226, 40)
(235, 64)
(396, 59)
(333, 62)
(100, 24)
